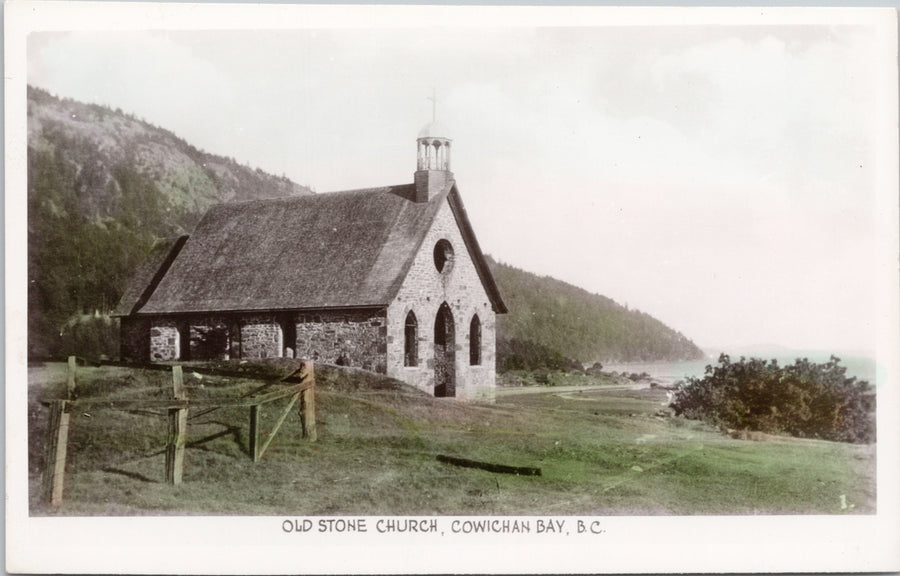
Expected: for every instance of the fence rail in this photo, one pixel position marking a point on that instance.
(178, 407)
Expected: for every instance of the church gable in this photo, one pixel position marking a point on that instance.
(444, 265)
(450, 350)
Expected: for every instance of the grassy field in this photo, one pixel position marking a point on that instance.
(603, 449)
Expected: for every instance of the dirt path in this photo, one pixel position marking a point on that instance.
(515, 390)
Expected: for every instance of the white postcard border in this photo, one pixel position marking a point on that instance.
(262, 544)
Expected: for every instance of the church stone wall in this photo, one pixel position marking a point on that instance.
(165, 341)
(423, 292)
(345, 338)
(261, 337)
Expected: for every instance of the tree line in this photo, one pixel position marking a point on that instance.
(552, 324)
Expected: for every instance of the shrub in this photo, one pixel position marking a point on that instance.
(803, 399)
(595, 368)
(91, 337)
(528, 355)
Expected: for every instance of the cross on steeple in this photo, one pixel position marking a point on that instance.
(433, 173)
(433, 99)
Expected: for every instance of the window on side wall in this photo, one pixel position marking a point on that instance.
(411, 341)
(475, 341)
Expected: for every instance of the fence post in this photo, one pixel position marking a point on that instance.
(308, 401)
(254, 432)
(177, 431)
(70, 381)
(54, 472)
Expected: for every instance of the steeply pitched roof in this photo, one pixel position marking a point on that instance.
(148, 276)
(343, 249)
(475, 253)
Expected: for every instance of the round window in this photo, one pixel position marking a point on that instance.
(443, 256)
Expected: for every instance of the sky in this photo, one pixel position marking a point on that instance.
(722, 178)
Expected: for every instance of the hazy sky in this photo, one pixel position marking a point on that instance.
(720, 178)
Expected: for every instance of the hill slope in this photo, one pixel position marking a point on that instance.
(550, 321)
(103, 188)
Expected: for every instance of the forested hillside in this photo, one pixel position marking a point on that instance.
(103, 188)
(551, 323)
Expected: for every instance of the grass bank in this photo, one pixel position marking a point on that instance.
(601, 450)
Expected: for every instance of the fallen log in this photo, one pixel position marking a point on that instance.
(498, 468)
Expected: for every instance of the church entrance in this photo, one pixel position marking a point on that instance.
(444, 353)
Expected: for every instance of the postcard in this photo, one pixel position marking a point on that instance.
(450, 289)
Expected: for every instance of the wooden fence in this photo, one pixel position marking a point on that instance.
(301, 387)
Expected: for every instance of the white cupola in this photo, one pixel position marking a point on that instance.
(432, 161)
(433, 148)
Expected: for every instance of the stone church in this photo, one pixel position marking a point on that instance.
(387, 279)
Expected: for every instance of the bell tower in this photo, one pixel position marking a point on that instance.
(432, 161)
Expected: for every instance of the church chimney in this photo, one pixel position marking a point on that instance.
(433, 162)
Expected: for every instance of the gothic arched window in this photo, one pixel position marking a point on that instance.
(475, 341)
(411, 341)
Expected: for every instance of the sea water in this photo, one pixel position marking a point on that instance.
(862, 367)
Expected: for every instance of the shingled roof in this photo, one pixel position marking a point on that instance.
(337, 250)
(148, 275)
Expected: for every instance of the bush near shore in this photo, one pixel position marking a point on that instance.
(804, 399)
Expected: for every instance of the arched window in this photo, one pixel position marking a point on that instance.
(411, 341)
(475, 341)
(444, 353)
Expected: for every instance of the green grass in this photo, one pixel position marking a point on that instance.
(554, 378)
(601, 451)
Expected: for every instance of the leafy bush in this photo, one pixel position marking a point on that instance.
(91, 337)
(528, 355)
(803, 399)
